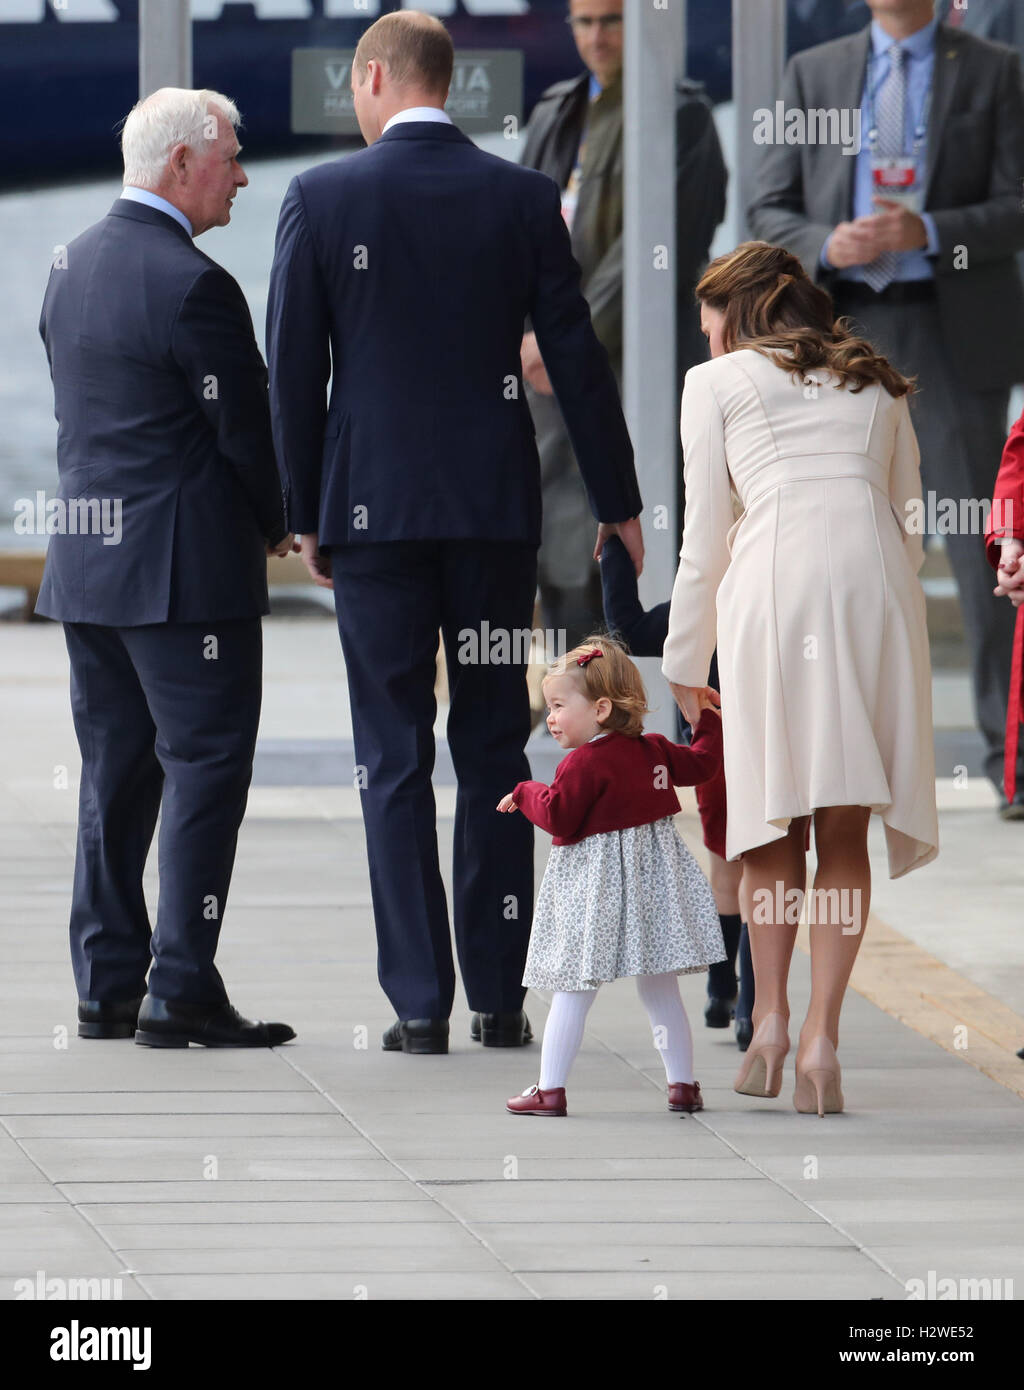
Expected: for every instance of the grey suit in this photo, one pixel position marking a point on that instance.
(964, 337)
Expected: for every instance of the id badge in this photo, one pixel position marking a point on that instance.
(896, 180)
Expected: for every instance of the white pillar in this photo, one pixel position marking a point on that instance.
(165, 45)
(654, 56)
(758, 61)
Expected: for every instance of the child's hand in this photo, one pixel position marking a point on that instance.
(507, 804)
(710, 699)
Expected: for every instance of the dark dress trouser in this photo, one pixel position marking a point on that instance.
(166, 717)
(392, 599)
(961, 433)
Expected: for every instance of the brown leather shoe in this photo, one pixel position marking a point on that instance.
(683, 1096)
(538, 1102)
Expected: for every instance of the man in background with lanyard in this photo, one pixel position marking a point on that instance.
(915, 236)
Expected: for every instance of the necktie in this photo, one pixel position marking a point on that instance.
(890, 115)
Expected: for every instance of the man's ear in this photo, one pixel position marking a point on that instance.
(177, 162)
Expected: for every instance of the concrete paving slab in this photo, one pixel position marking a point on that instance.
(168, 1102)
(369, 1202)
(341, 1168)
(438, 1285)
(662, 1283)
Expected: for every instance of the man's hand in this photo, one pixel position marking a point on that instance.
(318, 565)
(284, 547)
(1011, 572)
(897, 228)
(631, 536)
(507, 804)
(694, 699)
(534, 369)
(853, 243)
(892, 228)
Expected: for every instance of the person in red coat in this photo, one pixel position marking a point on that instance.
(621, 895)
(1004, 545)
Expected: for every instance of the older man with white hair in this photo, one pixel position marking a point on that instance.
(161, 401)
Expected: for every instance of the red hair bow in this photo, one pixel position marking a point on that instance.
(588, 656)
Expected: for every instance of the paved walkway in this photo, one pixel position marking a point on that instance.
(328, 1169)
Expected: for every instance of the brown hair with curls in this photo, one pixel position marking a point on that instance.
(611, 676)
(772, 305)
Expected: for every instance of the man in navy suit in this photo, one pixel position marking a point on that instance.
(161, 402)
(405, 273)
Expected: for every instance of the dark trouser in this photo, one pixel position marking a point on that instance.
(166, 717)
(392, 599)
(961, 433)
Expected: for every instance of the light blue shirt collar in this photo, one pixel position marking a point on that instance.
(919, 45)
(153, 200)
(595, 89)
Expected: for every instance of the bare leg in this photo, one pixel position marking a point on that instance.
(769, 873)
(839, 911)
(724, 877)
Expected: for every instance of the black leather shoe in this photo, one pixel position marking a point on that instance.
(744, 1032)
(99, 1019)
(421, 1035)
(166, 1023)
(501, 1030)
(718, 1013)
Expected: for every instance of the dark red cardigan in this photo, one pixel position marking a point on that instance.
(617, 782)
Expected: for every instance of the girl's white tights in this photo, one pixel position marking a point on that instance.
(659, 995)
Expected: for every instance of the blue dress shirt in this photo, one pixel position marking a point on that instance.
(919, 49)
(153, 200)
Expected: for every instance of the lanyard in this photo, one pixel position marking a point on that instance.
(920, 129)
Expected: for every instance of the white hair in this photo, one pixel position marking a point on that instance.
(168, 117)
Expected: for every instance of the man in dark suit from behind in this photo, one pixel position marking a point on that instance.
(915, 236)
(164, 428)
(405, 273)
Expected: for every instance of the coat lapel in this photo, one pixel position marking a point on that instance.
(847, 87)
(949, 63)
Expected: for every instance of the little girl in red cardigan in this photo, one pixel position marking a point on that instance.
(621, 894)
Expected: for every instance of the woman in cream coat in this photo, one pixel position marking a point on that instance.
(813, 600)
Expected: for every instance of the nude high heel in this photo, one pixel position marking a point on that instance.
(817, 1080)
(761, 1072)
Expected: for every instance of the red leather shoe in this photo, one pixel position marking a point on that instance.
(683, 1096)
(538, 1102)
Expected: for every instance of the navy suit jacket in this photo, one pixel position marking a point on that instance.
(161, 402)
(410, 268)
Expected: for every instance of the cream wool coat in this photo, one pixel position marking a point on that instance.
(812, 597)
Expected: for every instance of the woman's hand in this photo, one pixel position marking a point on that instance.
(507, 804)
(1011, 572)
(694, 699)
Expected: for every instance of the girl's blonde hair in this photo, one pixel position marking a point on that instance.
(610, 676)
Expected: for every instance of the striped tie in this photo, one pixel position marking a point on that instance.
(892, 104)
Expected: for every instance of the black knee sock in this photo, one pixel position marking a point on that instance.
(745, 1002)
(722, 975)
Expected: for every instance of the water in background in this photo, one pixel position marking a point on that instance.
(32, 225)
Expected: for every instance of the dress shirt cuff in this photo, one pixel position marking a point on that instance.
(932, 249)
(823, 259)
